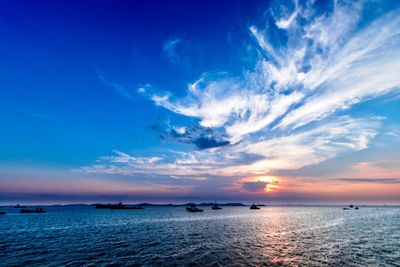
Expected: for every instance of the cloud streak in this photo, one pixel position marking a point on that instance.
(170, 50)
(370, 180)
(285, 23)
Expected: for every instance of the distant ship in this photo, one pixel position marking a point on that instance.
(103, 206)
(216, 207)
(350, 207)
(193, 208)
(2, 212)
(254, 207)
(121, 206)
(37, 210)
(118, 206)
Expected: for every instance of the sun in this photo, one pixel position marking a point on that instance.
(267, 179)
(272, 182)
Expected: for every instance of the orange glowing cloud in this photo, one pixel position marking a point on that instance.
(260, 184)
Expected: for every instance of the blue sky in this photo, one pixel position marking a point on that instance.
(275, 101)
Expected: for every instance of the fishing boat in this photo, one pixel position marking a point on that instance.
(118, 206)
(121, 206)
(2, 212)
(254, 207)
(37, 210)
(103, 206)
(216, 207)
(193, 208)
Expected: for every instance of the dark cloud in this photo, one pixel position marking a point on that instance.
(201, 137)
(254, 186)
(371, 180)
(208, 142)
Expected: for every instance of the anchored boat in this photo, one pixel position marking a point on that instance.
(193, 208)
(216, 207)
(118, 206)
(254, 207)
(37, 210)
(121, 206)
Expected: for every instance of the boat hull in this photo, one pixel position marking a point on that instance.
(32, 211)
(194, 210)
(126, 208)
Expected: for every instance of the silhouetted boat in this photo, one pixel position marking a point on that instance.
(216, 207)
(118, 206)
(103, 206)
(121, 206)
(356, 208)
(18, 206)
(2, 212)
(37, 210)
(346, 208)
(193, 208)
(254, 207)
(351, 206)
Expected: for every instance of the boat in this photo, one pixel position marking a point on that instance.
(121, 206)
(2, 212)
(346, 208)
(351, 206)
(118, 206)
(193, 208)
(216, 207)
(103, 206)
(356, 208)
(18, 206)
(254, 207)
(37, 210)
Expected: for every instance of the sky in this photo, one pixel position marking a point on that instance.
(278, 102)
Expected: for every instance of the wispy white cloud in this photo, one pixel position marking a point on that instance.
(314, 145)
(286, 152)
(118, 88)
(345, 66)
(285, 23)
(39, 116)
(365, 67)
(170, 49)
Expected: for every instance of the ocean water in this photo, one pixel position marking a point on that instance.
(171, 236)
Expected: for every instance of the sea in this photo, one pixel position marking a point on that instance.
(171, 236)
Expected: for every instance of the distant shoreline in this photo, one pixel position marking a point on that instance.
(208, 204)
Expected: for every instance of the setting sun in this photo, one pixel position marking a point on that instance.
(260, 184)
(272, 183)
